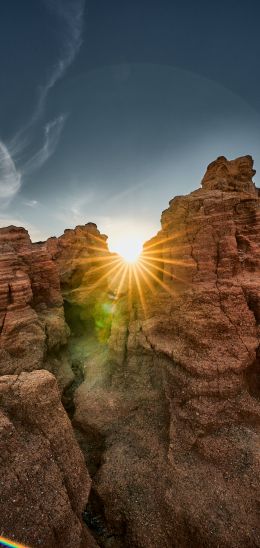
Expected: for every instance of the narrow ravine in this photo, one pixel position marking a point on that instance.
(165, 358)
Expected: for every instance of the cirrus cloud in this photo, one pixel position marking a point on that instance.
(70, 15)
(10, 178)
(52, 132)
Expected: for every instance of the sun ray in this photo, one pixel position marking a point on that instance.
(139, 289)
(141, 274)
(95, 259)
(124, 268)
(91, 288)
(123, 278)
(163, 240)
(96, 248)
(164, 250)
(177, 262)
(130, 289)
(165, 271)
(158, 280)
(105, 265)
(146, 280)
(99, 239)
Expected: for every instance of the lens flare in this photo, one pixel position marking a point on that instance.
(135, 273)
(11, 543)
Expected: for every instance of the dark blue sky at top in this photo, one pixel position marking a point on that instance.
(219, 40)
(156, 91)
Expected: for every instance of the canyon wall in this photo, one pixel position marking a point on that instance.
(33, 331)
(43, 478)
(81, 255)
(210, 257)
(164, 388)
(178, 418)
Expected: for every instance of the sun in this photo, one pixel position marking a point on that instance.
(130, 256)
(133, 271)
(129, 250)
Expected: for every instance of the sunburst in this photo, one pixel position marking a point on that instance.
(136, 277)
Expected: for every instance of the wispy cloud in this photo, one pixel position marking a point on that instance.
(73, 210)
(69, 14)
(52, 133)
(31, 203)
(10, 178)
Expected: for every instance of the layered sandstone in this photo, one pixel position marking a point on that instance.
(43, 479)
(79, 255)
(210, 257)
(32, 325)
(167, 411)
(84, 261)
(176, 423)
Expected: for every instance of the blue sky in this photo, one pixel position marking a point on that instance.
(109, 109)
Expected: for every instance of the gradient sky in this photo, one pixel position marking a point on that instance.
(109, 108)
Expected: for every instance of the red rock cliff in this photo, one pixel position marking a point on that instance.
(168, 414)
(210, 257)
(181, 412)
(32, 324)
(43, 479)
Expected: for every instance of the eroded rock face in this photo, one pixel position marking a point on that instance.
(168, 412)
(32, 325)
(180, 412)
(83, 262)
(76, 253)
(229, 175)
(213, 267)
(43, 479)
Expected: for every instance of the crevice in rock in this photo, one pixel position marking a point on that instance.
(68, 393)
(95, 519)
(73, 317)
(10, 297)
(253, 303)
(82, 330)
(9, 301)
(3, 323)
(92, 444)
(252, 376)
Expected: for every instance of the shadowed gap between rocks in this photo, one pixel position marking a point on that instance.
(83, 344)
(91, 441)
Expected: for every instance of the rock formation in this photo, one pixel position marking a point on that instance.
(83, 262)
(78, 254)
(32, 326)
(167, 367)
(212, 264)
(179, 420)
(43, 478)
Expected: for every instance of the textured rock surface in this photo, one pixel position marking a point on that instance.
(32, 326)
(213, 267)
(168, 413)
(176, 424)
(43, 479)
(79, 255)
